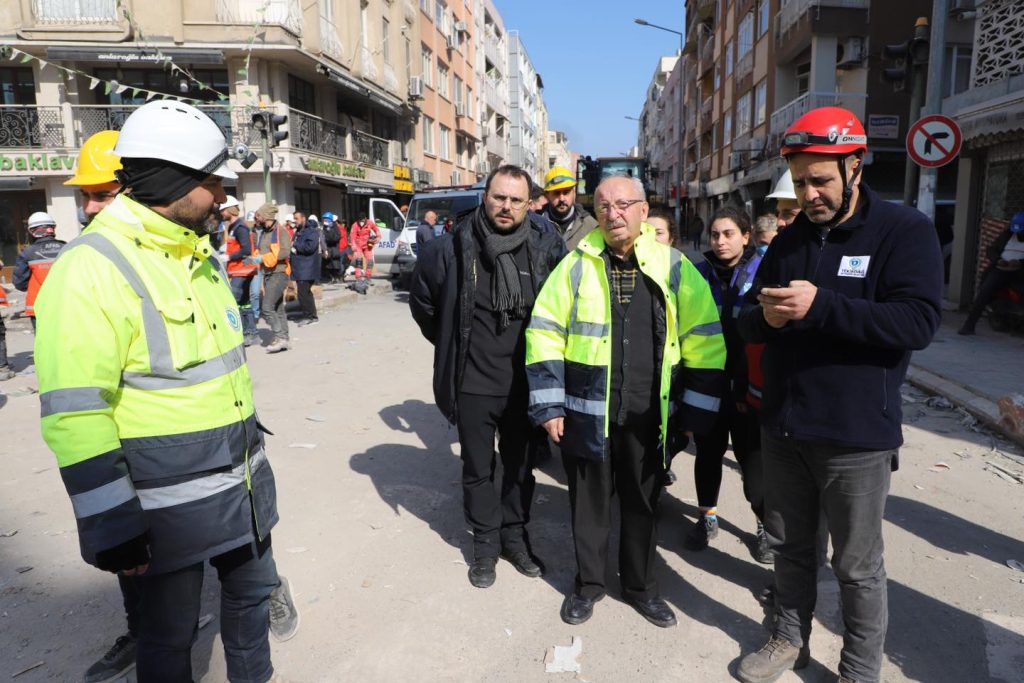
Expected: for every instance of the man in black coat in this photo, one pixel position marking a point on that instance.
(306, 260)
(471, 295)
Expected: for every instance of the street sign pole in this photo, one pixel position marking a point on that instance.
(920, 82)
(933, 101)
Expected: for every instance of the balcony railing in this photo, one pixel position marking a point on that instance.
(707, 54)
(286, 13)
(372, 150)
(330, 43)
(31, 126)
(314, 134)
(791, 111)
(89, 119)
(367, 68)
(492, 92)
(791, 11)
(75, 11)
(745, 65)
(495, 51)
(705, 165)
(497, 146)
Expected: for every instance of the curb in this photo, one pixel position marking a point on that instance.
(984, 409)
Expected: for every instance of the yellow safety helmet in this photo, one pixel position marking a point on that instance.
(97, 161)
(559, 178)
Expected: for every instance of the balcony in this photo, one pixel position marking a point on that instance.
(497, 146)
(705, 165)
(314, 134)
(88, 119)
(367, 69)
(707, 55)
(285, 13)
(330, 43)
(75, 12)
(494, 96)
(792, 11)
(744, 66)
(371, 150)
(784, 117)
(409, 6)
(704, 8)
(31, 126)
(495, 50)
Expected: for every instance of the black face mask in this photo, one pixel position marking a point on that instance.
(155, 182)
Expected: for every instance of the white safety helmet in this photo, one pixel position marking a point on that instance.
(40, 219)
(177, 132)
(230, 202)
(784, 188)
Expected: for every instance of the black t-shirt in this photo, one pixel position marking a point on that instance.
(496, 358)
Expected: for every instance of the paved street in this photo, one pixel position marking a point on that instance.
(373, 541)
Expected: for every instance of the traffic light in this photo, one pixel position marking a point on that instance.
(267, 123)
(907, 56)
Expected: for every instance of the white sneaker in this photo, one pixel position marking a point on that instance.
(278, 346)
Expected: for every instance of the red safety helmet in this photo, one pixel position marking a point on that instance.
(825, 130)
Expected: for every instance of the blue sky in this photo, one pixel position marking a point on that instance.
(595, 62)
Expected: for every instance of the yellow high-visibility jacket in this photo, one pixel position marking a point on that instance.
(568, 345)
(145, 394)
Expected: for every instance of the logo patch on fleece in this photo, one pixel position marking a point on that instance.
(232, 316)
(854, 266)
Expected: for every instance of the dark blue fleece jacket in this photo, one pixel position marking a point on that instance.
(835, 376)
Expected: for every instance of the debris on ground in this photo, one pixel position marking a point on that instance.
(1015, 564)
(22, 570)
(939, 467)
(297, 549)
(8, 534)
(940, 402)
(27, 669)
(1003, 473)
(564, 659)
(316, 418)
(308, 446)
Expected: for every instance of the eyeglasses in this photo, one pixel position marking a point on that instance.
(621, 206)
(500, 200)
(101, 196)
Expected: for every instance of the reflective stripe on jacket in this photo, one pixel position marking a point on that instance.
(568, 344)
(145, 394)
(32, 266)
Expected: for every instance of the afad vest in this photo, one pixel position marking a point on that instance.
(145, 394)
(240, 268)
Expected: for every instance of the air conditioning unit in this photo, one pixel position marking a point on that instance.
(460, 109)
(853, 53)
(452, 42)
(415, 87)
(461, 27)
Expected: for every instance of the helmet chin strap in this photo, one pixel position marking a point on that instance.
(848, 186)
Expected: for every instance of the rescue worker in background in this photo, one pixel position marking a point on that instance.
(6, 372)
(786, 206)
(621, 317)
(477, 326)
(766, 227)
(729, 267)
(425, 231)
(845, 294)
(664, 225)
(242, 264)
(570, 218)
(274, 247)
(363, 239)
(34, 262)
(306, 260)
(97, 187)
(147, 402)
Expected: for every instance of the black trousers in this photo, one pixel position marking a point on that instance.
(131, 597)
(306, 301)
(498, 518)
(993, 281)
(744, 431)
(633, 470)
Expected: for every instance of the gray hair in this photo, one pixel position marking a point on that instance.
(638, 186)
(766, 223)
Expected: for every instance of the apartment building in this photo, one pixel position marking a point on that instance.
(525, 102)
(985, 88)
(660, 110)
(338, 69)
(493, 79)
(752, 67)
(557, 151)
(449, 136)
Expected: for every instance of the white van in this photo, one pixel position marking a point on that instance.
(447, 203)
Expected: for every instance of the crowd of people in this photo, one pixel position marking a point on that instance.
(788, 339)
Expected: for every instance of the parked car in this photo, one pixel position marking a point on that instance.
(447, 203)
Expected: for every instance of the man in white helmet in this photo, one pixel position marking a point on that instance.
(34, 261)
(786, 206)
(147, 402)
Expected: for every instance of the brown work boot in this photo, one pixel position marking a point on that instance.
(280, 344)
(774, 659)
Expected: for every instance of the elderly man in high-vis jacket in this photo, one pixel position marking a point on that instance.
(624, 357)
(147, 401)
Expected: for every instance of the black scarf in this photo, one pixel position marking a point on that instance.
(154, 182)
(496, 248)
(563, 222)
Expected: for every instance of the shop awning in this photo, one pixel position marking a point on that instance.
(123, 55)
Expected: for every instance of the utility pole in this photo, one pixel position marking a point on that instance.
(267, 123)
(933, 101)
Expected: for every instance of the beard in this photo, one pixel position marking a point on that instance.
(202, 220)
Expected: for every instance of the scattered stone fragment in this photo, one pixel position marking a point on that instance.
(22, 570)
(1015, 565)
(940, 402)
(308, 446)
(27, 669)
(316, 418)
(939, 467)
(562, 659)
(8, 534)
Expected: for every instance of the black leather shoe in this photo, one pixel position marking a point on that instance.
(481, 572)
(525, 563)
(576, 609)
(655, 611)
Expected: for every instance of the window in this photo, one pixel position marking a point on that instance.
(425, 7)
(457, 88)
(91, 12)
(803, 78)
(958, 68)
(385, 44)
(442, 80)
(408, 54)
(718, 76)
(469, 102)
(727, 128)
(150, 79)
(761, 102)
(746, 35)
(460, 150)
(762, 18)
(743, 115)
(439, 8)
(728, 59)
(428, 67)
(301, 95)
(444, 142)
(428, 135)
(17, 86)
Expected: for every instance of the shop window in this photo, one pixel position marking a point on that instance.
(301, 95)
(307, 201)
(17, 85)
(164, 82)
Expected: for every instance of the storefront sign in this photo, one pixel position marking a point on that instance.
(403, 179)
(884, 126)
(334, 168)
(43, 161)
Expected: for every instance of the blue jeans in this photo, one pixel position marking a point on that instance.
(255, 287)
(241, 288)
(802, 478)
(169, 611)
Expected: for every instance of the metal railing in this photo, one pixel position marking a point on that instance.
(88, 119)
(31, 126)
(791, 11)
(707, 54)
(492, 93)
(705, 164)
(75, 11)
(367, 69)
(330, 43)
(314, 134)
(791, 111)
(369, 149)
(745, 65)
(286, 13)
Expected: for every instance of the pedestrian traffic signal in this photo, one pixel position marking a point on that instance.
(266, 123)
